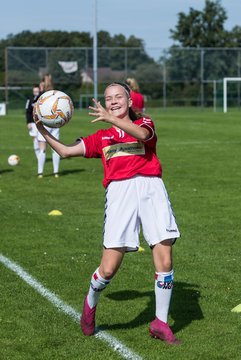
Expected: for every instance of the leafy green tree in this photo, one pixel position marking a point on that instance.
(116, 59)
(202, 28)
(104, 39)
(191, 61)
(150, 78)
(44, 39)
(234, 37)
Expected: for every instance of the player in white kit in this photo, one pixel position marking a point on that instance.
(135, 196)
(45, 85)
(42, 153)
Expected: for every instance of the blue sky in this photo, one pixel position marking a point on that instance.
(149, 20)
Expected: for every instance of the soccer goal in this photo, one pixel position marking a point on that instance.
(226, 80)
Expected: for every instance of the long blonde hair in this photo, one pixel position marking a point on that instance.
(133, 84)
(48, 83)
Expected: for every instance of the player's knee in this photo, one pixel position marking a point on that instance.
(107, 272)
(167, 264)
(164, 264)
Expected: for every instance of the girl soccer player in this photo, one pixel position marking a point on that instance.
(138, 102)
(45, 85)
(135, 195)
(29, 118)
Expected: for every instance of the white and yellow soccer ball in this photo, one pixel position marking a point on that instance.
(54, 108)
(13, 160)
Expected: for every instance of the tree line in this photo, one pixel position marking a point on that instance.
(196, 29)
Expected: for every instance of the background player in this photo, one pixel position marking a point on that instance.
(138, 103)
(46, 84)
(135, 196)
(32, 129)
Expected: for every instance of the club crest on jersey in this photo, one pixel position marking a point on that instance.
(124, 149)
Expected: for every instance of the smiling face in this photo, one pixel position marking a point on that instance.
(117, 101)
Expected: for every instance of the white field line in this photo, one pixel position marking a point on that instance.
(114, 343)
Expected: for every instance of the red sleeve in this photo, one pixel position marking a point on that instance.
(92, 144)
(149, 125)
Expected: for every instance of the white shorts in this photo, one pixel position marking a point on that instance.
(53, 131)
(132, 203)
(33, 131)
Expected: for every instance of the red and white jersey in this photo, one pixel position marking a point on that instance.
(123, 156)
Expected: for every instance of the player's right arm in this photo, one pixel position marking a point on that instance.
(65, 151)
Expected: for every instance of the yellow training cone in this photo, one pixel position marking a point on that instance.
(55, 213)
(141, 249)
(237, 308)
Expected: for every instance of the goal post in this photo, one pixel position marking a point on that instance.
(225, 92)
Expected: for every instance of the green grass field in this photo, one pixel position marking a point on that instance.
(200, 153)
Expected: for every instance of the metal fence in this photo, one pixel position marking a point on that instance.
(167, 77)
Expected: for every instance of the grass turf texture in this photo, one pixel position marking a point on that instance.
(200, 154)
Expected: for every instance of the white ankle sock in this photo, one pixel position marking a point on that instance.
(36, 147)
(56, 160)
(41, 161)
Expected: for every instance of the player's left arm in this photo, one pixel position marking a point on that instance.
(65, 151)
(139, 132)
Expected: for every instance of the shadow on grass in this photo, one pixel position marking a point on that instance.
(184, 307)
(66, 172)
(49, 159)
(5, 171)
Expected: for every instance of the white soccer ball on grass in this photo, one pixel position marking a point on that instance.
(13, 160)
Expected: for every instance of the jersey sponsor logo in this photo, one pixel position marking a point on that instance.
(125, 149)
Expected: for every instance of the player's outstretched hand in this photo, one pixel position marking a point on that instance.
(99, 112)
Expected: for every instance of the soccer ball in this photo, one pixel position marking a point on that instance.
(13, 160)
(54, 108)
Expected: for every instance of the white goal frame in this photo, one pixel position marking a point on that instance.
(225, 83)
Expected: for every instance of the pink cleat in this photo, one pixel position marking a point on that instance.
(87, 320)
(160, 330)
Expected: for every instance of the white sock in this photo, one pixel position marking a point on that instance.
(41, 161)
(56, 160)
(163, 292)
(36, 147)
(97, 284)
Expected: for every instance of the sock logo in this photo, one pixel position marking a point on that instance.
(95, 288)
(165, 284)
